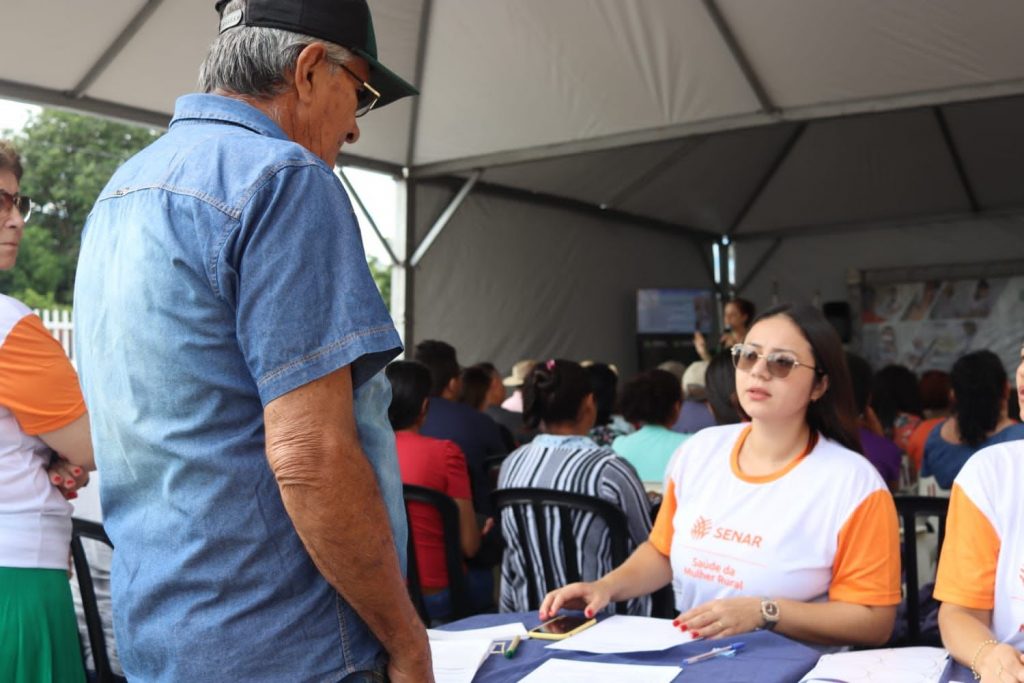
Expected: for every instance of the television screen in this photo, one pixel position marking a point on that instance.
(674, 311)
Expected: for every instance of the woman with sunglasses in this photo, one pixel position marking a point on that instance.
(41, 412)
(981, 570)
(778, 524)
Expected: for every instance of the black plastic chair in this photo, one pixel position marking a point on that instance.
(80, 529)
(542, 579)
(909, 509)
(457, 585)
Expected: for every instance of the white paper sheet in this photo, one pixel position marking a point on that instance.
(890, 665)
(456, 661)
(622, 633)
(569, 671)
(492, 633)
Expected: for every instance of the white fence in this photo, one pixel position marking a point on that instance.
(60, 326)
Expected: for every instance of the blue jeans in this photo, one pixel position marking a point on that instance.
(479, 584)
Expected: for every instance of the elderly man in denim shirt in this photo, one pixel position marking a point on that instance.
(230, 339)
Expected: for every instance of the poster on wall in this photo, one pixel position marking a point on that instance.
(928, 325)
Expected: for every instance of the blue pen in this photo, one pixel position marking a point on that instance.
(725, 651)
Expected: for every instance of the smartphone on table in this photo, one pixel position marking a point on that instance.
(561, 627)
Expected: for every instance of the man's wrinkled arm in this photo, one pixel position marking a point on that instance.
(330, 492)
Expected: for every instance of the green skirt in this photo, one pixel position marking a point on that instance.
(38, 630)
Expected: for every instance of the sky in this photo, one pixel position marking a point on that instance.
(377, 191)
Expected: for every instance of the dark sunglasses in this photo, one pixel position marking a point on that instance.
(779, 365)
(10, 201)
(366, 96)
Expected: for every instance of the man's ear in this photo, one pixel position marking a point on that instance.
(307, 70)
(820, 387)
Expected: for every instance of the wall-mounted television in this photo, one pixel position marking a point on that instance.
(674, 311)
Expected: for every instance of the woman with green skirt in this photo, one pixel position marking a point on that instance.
(41, 414)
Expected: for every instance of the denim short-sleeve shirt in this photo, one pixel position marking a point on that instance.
(221, 268)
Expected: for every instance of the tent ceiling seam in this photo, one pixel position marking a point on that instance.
(956, 159)
(645, 178)
(739, 56)
(115, 47)
(761, 263)
(768, 176)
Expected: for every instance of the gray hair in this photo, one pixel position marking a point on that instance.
(253, 61)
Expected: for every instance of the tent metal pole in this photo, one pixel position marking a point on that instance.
(740, 57)
(369, 218)
(958, 162)
(403, 277)
(114, 49)
(766, 179)
(761, 263)
(445, 216)
(421, 58)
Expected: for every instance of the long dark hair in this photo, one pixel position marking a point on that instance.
(410, 387)
(604, 383)
(834, 414)
(895, 391)
(979, 380)
(553, 392)
(720, 384)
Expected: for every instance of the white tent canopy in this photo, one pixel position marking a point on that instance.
(645, 129)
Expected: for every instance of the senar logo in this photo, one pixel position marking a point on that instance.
(700, 528)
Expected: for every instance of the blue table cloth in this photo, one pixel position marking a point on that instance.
(766, 657)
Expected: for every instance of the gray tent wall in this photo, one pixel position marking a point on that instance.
(801, 266)
(508, 279)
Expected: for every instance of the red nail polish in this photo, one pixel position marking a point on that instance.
(72, 495)
(56, 479)
(69, 482)
(696, 635)
(588, 613)
(76, 471)
(683, 627)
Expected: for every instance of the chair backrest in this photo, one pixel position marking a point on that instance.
(537, 502)
(80, 529)
(449, 511)
(929, 486)
(910, 509)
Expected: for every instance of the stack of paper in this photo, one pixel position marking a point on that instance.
(569, 671)
(457, 655)
(625, 634)
(891, 665)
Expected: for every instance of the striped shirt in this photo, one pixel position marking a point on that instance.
(573, 464)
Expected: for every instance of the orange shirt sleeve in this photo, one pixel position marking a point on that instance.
(661, 534)
(37, 383)
(970, 555)
(866, 570)
(917, 440)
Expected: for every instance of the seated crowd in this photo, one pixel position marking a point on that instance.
(805, 431)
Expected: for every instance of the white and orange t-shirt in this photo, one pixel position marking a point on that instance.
(824, 527)
(982, 561)
(39, 393)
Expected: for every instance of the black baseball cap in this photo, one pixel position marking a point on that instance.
(343, 22)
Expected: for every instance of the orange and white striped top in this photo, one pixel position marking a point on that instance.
(823, 527)
(39, 393)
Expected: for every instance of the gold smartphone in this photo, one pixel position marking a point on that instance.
(561, 627)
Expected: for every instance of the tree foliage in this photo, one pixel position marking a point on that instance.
(68, 158)
(382, 276)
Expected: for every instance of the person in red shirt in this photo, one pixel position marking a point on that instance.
(437, 464)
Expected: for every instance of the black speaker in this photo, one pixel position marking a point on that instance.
(839, 315)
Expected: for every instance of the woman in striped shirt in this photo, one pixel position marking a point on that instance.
(558, 399)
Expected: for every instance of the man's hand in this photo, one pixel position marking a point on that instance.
(411, 667)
